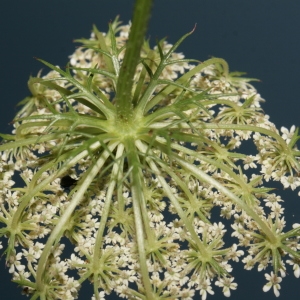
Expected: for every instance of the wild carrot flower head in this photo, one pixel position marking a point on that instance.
(128, 199)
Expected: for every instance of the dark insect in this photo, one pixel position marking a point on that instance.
(67, 182)
(26, 291)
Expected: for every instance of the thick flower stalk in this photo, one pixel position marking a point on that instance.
(131, 183)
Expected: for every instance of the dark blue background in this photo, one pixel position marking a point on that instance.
(259, 37)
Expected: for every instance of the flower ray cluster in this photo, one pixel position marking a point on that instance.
(134, 193)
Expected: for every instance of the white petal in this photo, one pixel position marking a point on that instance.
(276, 292)
(226, 292)
(296, 271)
(267, 287)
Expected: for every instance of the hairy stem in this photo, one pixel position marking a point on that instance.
(131, 59)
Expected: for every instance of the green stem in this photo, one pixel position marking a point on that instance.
(185, 190)
(70, 160)
(58, 230)
(262, 130)
(131, 59)
(161, 143)
(203, 126)
(103, 221)
(137, 195)
(174, 201)
(184, 78)
(208, 179)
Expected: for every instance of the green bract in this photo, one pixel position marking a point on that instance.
(151, 164)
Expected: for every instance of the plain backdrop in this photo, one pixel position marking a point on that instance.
(258, 37)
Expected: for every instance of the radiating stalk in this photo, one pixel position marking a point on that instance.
(104, 217)
(57, 231)
(173, 200)
(240, 203)
(137, 194)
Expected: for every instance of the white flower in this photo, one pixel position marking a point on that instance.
(101, 296)
(205, 288)
(277, 210)
(274, 281)
(217, 229)
(286, 134)
(227, 284)
(249, 162)
(290, 182)
(296, 268)
(17, 266)
(187, 294)
(234, 254)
